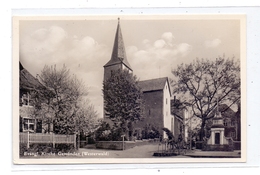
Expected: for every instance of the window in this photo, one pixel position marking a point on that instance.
(149, 112)
(233, 134)
(28, 124)
(166, 100)
(225, 123)
(26, 99)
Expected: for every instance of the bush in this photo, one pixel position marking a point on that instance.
(150, 132)
(64, 148)
(91, 140)
(105, 133)
(199, 144)
(102, 133)
(116, 134)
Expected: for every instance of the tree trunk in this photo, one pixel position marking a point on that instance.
(49, 128)
(131, 130)
(202, 130)
(125, 129)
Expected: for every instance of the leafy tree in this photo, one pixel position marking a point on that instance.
(61, 102)
(204, 83)
(85, 119)
(123, 102)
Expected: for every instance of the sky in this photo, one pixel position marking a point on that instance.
(153, 46)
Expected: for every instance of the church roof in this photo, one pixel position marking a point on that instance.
(153, 84)
(27, 81)
(118, 54)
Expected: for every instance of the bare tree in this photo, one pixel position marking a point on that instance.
(203, 84)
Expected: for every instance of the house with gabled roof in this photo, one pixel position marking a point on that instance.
(156, 92)
(28, 84)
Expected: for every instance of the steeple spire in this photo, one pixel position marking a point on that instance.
(118, 54)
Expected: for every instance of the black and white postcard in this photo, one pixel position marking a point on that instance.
(129, 89)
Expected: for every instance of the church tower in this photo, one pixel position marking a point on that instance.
(118, 58)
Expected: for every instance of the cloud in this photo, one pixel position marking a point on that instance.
(83, 47)
(159, 43)
(155, 59)
(47, 40)
(184, 49)
(83, 55)
(212, 43)
(168, 37)
(53, 45)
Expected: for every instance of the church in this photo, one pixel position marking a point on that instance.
(156, 93)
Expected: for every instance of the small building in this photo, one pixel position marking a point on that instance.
(217, 131)
(217, 140)
(231, 121)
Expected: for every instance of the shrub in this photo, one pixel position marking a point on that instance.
(150, 132)
(102, 132)
(116, 134)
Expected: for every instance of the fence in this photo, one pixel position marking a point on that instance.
(46, 138)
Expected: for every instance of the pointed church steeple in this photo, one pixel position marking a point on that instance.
(118, 54)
